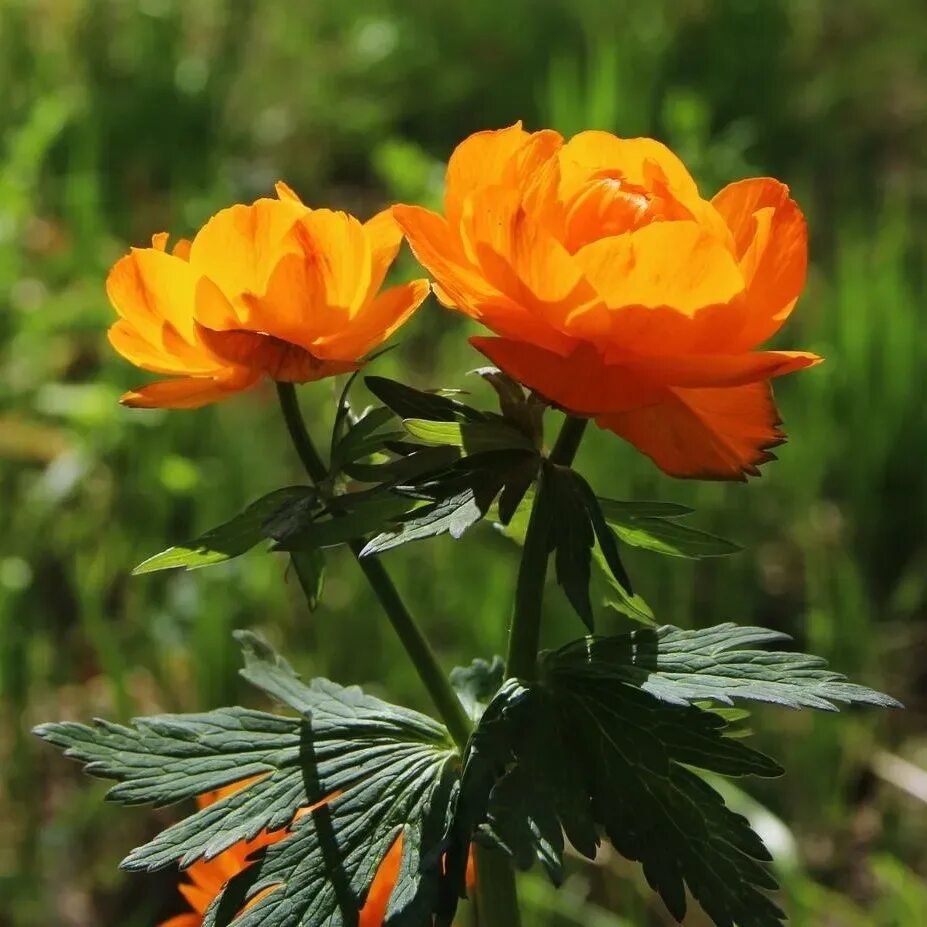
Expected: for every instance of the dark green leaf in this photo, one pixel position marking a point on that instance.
(477, 683)
(452, 515)
(474, 437)
(309, 566)
(604, 536)
(592, 754)
(718, 664)
(407, 402)
(572, 539)
(380, 770)
(366, 436)
(368, 514)
(407, 469)
(654, 532)
(233, 538)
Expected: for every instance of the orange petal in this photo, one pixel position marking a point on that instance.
(183, 920)
(675, 264)
(277, 359)
(640, 161)
(170, 355)
(286, 192)
(479, 160)
(770, 241)
(385, 236)
(183, 393)
(374, 323)
(374, 910)
(527, 264)
(717, 370)
(239, 247)
(716, 434)
(339, 245)
(579, 382)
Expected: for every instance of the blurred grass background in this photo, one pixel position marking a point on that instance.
(125, 117)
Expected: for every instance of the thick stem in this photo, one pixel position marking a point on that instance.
(495, 878)
(529, 592)
(496, 897)
(418, 648)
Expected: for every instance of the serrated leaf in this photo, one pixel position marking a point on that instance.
(605, 538)
(718, 664)
(606, 757)
(656, 533)
(473, 437)
(309, 566)
(477, 683)
(572, 539)
(368, 514)
(408, 402)
(408, 469)
(378, 771)
(231, 539)
(452, 515)
(366, 436)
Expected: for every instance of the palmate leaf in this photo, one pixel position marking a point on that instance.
(718, 664)
(379, 770)
(235, 537)
(584, 754)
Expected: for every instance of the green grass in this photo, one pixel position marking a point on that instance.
(121, 119)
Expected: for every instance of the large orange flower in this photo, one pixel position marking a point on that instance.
(274, 289)
(618, 293)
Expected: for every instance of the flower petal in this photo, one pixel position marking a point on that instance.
(273, 357)
(718, 434)
(375, 322)
(149, 287)
(480, 159)
(770, 240)
(183, 393)
(373, 912)
(172, 355)
(385, 236)
(579, 382)
(239, 247)
(721, 370)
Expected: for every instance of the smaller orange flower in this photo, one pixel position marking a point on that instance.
(206, 878)
(274, 289)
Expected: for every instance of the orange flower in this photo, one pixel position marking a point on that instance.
(206, 878)
(273, 289)
(618, 293)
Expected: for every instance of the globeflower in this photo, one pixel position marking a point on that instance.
(205, 879)
(618, 293)
(272, 289)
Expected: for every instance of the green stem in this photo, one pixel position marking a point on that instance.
(496, 897)
(418, 648)
(525, 634)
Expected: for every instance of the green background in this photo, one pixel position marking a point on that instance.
(123, 118)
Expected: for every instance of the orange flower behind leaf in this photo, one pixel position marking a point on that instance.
(620, 294)
(206, 878)
(274, 289)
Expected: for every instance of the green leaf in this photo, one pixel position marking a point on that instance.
(605, 538)
(368, 513)
(474, 437)
(590, 755)
(380, 770)
(572, 538)
(309, 566)
(477, 683)
(365, 437)
(655, 533)
(407, 402)
(718, 664)
(235, 537)
(408, 469)
(452, 515)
